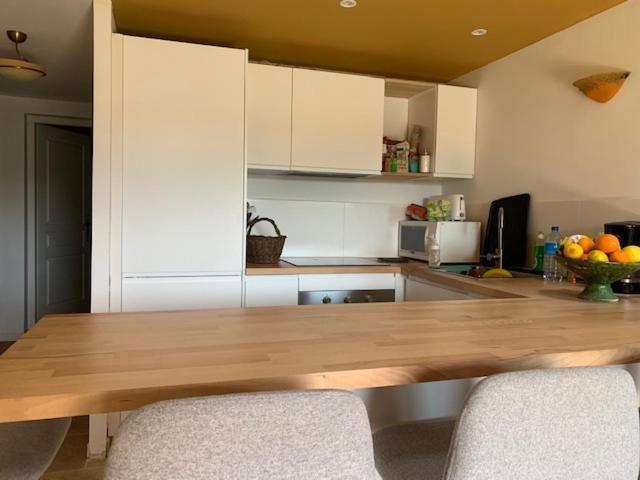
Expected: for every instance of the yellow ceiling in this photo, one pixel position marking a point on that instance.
(420, 39)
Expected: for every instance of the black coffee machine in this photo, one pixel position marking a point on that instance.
(629, 234)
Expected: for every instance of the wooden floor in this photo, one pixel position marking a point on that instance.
(71, 463)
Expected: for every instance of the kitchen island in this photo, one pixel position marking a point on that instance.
(95, 363)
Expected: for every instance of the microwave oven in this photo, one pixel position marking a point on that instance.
(459, 241)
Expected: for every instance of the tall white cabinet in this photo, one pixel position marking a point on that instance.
(182, 166)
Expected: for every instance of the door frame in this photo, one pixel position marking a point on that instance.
(31, 120)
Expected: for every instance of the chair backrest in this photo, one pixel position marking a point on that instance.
(296, 434)
(572, 423)
(28, 448)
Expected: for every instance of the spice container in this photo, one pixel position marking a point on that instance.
(425, 163)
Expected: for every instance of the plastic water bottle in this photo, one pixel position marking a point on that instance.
(434, 252)
(552, 270)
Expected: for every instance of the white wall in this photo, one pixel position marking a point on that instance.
(12, 201)
(396, 118)
(101, 248)
(332, 216)
(537, 133)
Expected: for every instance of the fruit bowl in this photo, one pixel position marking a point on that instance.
(598, 276)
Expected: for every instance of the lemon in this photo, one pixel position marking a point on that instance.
(497, 273)
(597, 256)
(566, 241)
(573, 250)
(632, 252)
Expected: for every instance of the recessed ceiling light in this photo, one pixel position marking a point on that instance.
(479, 32)
(348, 3)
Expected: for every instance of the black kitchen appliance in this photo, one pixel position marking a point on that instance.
(516, 218)
(629, 234)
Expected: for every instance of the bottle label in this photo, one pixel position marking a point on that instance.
(550, 248)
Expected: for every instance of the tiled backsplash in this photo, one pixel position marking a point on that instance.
(333, 228)
(334, 217)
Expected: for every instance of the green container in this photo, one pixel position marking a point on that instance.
(598, 276)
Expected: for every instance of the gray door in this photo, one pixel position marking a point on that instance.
(63, 220)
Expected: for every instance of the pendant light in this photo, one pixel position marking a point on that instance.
(20, 68)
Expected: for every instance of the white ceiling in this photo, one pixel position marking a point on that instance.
(60, 38)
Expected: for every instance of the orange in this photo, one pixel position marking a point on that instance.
(584, 256)
(607, 243)
(587, 244)
(619, 256)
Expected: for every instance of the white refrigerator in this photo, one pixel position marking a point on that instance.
(182, 121)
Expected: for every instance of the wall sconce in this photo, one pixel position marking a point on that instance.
(602, 87)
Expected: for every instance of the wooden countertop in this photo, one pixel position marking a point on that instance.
(284, 268)
(93, 363)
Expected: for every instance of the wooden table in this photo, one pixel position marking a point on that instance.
(84, 364)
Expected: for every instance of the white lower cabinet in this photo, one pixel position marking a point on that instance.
(280, 290)
(348, 281)
(270, 290)
(180, 293)
(416, 402)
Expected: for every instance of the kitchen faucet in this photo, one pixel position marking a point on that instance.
(499, 253)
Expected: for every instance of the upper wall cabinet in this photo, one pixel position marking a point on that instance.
(269, 117)
(448, 117)
(333, 123)
(182, 151)
(313, 121)
(337, 122)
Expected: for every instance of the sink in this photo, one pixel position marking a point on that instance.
(476, 271)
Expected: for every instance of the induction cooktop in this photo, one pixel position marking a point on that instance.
(332, 261)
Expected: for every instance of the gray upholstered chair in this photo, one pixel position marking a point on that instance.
(574, 423)
(279, 435)
(28, 448)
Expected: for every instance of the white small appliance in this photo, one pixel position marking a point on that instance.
(458, 207)
(459, 241)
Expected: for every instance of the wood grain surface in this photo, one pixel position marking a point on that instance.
(92, 363)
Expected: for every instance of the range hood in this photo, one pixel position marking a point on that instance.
(307, 173)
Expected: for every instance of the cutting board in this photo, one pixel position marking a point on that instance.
(515, 235)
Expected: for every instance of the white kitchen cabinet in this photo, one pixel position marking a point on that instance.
(182, 157)
(448, 116)
(337, 122)
(180, 293)
(269, 91)
(420, 290)
(270, 290)
(347, 281)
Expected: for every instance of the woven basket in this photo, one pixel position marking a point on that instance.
(261, 249)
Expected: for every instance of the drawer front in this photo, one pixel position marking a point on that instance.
(180, 293)
(271, 290)
(364, 281)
